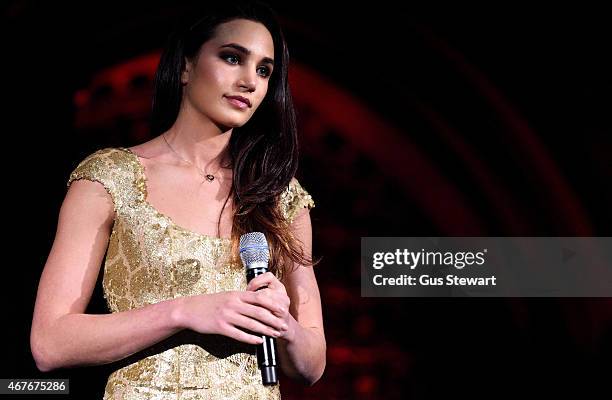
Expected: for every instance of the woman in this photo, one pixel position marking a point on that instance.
(170, 211)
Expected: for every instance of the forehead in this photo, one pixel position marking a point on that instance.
(250, 34)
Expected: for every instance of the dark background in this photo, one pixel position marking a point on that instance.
(451, 121)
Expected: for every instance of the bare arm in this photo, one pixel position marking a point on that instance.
(303, 353)
(62, 335)
(301, 344)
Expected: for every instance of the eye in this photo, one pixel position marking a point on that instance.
(230, 58)
(234, 59)
(266, 71)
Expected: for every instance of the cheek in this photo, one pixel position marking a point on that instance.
(207, 90)
(210, 83)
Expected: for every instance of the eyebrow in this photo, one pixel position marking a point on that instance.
(246, 51)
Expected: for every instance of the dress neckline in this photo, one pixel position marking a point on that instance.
(143, 187)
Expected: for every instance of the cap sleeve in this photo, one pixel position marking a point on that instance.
(103, 166)
(294, 198)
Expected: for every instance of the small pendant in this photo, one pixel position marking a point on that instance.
(210, 178)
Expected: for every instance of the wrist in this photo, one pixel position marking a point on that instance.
(293, 328)
(177, 313)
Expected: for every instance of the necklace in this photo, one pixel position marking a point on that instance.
(209, 177)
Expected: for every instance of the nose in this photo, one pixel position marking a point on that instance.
(248, 78)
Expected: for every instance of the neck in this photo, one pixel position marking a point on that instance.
(201, 142)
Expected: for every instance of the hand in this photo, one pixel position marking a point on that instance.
(275, 297)
(230, 313)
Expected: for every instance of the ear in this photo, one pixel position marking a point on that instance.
(186, 72)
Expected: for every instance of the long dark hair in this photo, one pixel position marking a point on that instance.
(264, 152)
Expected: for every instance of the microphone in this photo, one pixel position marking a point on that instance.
(255, 255)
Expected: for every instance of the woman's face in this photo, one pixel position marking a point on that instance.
(237, 61)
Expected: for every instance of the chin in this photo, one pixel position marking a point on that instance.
(226, 125)
(234, 122)
(228, 119)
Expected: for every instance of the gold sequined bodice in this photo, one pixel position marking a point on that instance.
(151, 259)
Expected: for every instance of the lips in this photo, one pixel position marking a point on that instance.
(244, 100)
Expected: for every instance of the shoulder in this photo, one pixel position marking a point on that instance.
(100, 161)
(294, 198)
(113, 167)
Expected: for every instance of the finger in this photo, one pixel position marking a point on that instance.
(261, 280)
(267, 279)
(264, 316)
(276, 301)
(242, 336)
(266, 301)
(254, 325)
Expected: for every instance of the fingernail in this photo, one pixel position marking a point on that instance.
(276, 333)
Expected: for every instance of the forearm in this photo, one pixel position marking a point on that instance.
(87, 339)
(303, 354)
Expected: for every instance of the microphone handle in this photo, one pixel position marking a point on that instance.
(266, 352)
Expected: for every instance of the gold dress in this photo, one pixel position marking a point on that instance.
(151, 259)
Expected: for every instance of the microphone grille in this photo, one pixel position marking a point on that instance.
(254, 248)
